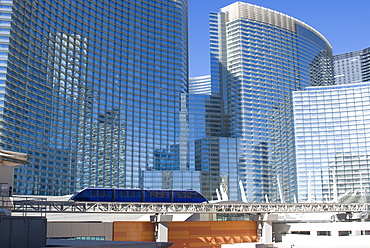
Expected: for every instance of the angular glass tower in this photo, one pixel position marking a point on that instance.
(204, 112)
(93, 91)
(352, 67)
(258, 58)
(332, 140)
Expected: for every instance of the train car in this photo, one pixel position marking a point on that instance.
(138, 195)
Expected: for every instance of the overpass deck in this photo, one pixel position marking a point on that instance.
(169, 208)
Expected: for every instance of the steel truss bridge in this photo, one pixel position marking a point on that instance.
(29, 206)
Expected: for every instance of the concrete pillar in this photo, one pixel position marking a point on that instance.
(161, 226)
(162, 232)
(267, 232)
(264, 225)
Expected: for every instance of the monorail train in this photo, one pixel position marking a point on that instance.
(138, 195)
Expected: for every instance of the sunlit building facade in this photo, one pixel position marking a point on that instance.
(204, 115)
(258, 58)
(352, 67)
(5, 22)
(332, 140)
(93, 92)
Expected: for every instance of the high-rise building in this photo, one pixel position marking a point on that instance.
(5, 17)
(332, 140)
(352, 67)
(204, 114)
(200, 85)
(93, 92)
(258, 58)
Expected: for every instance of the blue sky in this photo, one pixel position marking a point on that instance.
(345, 23)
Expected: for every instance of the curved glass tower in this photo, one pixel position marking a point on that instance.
(93, 92)
(258, 57)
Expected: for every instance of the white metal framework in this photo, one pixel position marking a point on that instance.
(165, 208)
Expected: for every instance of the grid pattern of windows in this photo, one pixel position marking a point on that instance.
(332, 140)
(352, 67)
(347, 68)
(93, 91)
(204, 131)
(258, 57)
(200, 85)
(5, 18)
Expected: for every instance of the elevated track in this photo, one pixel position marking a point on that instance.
(29, 206)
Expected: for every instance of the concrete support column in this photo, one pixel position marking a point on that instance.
(267, 232)
(264, 225)
(162, 232)
(161, 226)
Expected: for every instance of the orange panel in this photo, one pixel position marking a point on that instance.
(197, 244)
(211, 234)
(133, 231)
(221, 225)
(197, 231)
(179, 224)
(179, 233)
(191, 234)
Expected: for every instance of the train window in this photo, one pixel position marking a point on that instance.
(93, 192)
(188, 195)
(182, 194)
(153, 194)
(344, 233)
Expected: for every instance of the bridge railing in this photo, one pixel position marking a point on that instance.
(35, 206)
(44, 207)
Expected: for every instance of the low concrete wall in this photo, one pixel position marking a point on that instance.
(25, 232)
(80, 229)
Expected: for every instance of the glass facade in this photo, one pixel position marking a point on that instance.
(258, 58)
(5, 22)
(352, 67)
(332, 140)
(204, 114)
(94, 92)
(200, 85)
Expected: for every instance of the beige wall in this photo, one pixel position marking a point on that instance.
(6, 176)
(80, 229)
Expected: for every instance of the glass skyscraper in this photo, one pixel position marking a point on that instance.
(352, 67)
(258, 58)
(5, 22)
(94, 91)
(332, 140)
